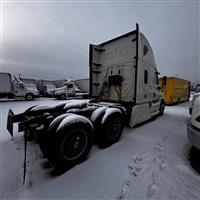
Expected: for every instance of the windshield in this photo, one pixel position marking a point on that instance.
(30, 86)
(50, 86)
(61, 88)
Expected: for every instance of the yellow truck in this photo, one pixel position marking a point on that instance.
(175, 90)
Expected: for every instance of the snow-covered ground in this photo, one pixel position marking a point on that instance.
(149, 162)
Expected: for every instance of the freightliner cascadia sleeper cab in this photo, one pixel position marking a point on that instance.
(123, 89)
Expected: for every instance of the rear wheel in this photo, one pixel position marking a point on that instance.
(162, 108)
(111, 130)
(63, 96)
(47, 137)
(71, 145)
(29, 97)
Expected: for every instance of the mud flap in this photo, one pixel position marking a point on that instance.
(25, 147)
(10, 122)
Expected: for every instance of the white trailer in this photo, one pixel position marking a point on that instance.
(124, 91)
(5, 84)
(15, 88)
(83, 84)
(46, 87)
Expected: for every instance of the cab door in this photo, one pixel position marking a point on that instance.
(155, 94)
(18, 89)
(146, 85)
(71, 89)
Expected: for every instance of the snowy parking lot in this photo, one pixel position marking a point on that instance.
(149, 162)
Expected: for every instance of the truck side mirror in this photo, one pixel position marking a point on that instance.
(21, 85)
(164, 81)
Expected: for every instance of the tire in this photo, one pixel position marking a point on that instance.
(63, 96)
(29, 97)
(47, 138)
(194, 157)
(85, 96)
(70, 146)
(111, 130)
(162, 108)
(97, 123)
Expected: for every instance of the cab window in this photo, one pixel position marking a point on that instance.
(70, 86)
(17, 85)
(145, 77)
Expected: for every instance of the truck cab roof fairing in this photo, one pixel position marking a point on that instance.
(114, 63)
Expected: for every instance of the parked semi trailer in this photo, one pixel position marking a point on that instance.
(176, 90)
(46, 87)
(124, 91)
(15, 88)
(83, 84)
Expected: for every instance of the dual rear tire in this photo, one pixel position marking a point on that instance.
(109, 130)
(71, 146)
(65, 147)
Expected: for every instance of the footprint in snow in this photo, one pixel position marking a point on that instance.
(137, 159)
(134, 171)
(158, 147)
(162, 165)
(153, 187)
(151, 191)
(124, 190)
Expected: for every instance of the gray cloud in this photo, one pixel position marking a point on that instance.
(51, 40)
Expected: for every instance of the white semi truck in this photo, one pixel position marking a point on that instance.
(69, 89)
(16, 88)
(123, 89)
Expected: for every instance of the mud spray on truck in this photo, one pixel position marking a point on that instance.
(123, 91)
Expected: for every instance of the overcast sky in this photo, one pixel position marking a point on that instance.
(51, 39)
